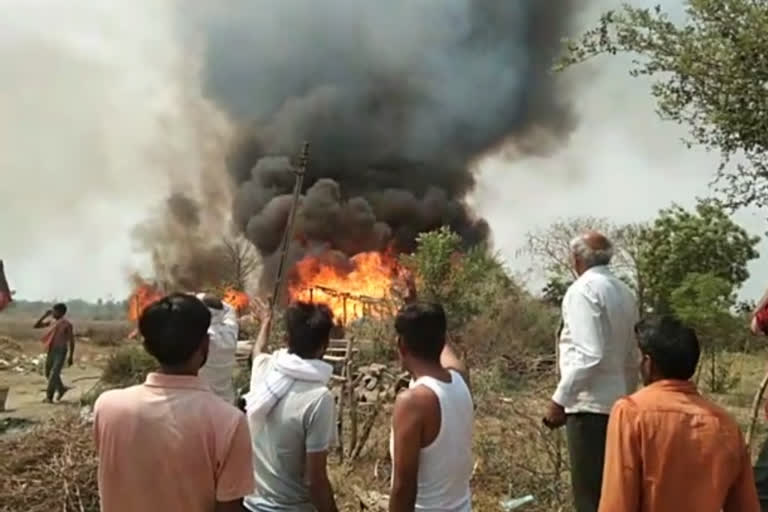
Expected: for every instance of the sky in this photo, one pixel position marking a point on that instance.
(92, 112)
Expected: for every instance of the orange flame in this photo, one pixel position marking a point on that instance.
(143, 296)
(237, 299)
(364, 289)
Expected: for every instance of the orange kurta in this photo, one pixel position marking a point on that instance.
(669, 449)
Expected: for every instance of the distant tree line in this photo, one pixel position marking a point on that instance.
(99, 310)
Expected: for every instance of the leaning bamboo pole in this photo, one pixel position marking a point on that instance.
(755, 408)
(300, 171)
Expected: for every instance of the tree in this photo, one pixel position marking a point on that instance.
(704, 302)
(241, 261)
(679, 243)
(465, 283)
(551, 250)
(710, 76)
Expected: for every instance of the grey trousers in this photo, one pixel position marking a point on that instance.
(54, 362)
(761, 476)
(586, 434)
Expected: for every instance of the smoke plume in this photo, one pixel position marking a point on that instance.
(397, 99)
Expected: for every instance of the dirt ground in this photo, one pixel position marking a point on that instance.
(22, 362)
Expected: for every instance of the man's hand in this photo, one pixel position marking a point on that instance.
(754, 326)
(555, 417)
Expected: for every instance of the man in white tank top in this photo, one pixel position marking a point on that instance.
(431, 443)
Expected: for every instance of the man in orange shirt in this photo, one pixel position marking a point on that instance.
(170, 444)
(669, 449)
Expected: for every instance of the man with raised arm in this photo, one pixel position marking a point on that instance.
(431, 443)
(598, 362)
(291, 415)
(59, 340)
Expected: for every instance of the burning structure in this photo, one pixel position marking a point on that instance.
(399, 100)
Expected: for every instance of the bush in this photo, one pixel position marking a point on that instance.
(127, 366)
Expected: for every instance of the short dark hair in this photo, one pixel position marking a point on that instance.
(672, 346)
(422, 327)
(174, 327)
(60, 308)
(212, 301)
(309, 328)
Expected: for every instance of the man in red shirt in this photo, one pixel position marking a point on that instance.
(58, 340)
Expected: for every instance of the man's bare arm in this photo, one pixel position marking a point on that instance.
(407, 431)
(41, 322)
(450, 361)
(320, 490)
(230, 506)
(263, 337)
(71, 334)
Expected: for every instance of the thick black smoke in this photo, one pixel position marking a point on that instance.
(397, 99)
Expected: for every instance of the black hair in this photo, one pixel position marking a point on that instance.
(309, 328)
(422, 327)
(174, 327)
(212, 301)
(60, 308)
(672, 346)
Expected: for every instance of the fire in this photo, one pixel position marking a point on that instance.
(237, 299)
(364, 289)
(144, 295)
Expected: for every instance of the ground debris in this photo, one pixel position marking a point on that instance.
(12, 358)
(52, 467)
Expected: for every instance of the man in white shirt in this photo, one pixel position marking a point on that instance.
(217, 371)
(598, 362)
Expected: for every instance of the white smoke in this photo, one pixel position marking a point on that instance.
(94, 131)
(622, 163)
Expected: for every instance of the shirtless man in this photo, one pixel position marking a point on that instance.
(431, 440)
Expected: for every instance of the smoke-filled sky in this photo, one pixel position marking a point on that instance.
(95, 130)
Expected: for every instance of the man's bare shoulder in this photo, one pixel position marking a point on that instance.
(418, 400)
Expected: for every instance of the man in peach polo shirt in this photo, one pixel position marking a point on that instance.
(170, 444)
(669, 449)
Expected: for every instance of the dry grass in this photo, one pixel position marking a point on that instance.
(99, 332)
(52, 467)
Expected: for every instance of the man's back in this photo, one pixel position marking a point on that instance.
(170, 444)
(302, 421)
(599, 316)
(670, 450)
(217, 370)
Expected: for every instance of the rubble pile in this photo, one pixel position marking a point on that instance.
(12, 358)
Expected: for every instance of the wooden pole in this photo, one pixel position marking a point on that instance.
(758, 398)
(288, 233)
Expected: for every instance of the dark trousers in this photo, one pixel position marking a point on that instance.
(761, 476)
(54, 362)
(586, 448)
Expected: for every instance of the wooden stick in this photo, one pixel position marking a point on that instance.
(288, 233)
(755, 408)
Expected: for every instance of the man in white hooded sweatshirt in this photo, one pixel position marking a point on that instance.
(291, 416)
(217, 371)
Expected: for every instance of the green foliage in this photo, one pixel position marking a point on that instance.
(679, 242)
(127, 366)
(710, 76)
(704, 302)
(465, 283)
(555, 289)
